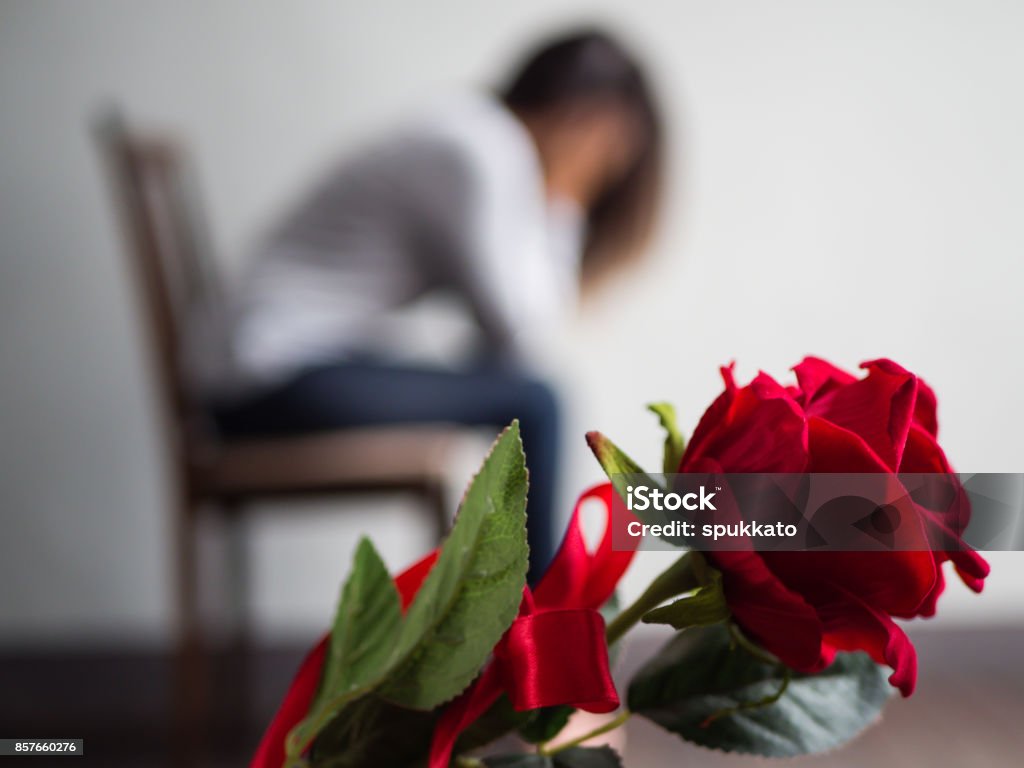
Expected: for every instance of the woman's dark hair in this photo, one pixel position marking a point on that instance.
(586, 65)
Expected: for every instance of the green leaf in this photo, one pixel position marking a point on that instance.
(546, 723)
(690, 687)
(576, 757)
(373, 732)
(369, 614)
(497, 721)
(704, 606)
(624, 472)
(615, 463)
(362, 639)
(678, 578)
(473, 592)
(675, 444)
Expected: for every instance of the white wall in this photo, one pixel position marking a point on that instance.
(847, 183)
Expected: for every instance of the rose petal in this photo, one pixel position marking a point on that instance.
(833, 448)
(878, 408)
(925, 408)
(972, 568)
(733, 430)
(928, 607)
(897, 582)
(775, 616)
(922, 453)
(818, 377)
(712, 418)
(852, 625)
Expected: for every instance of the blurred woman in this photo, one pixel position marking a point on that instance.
(512, 203)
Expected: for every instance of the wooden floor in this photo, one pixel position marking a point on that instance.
(968, 710)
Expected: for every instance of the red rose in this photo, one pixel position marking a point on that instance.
(806, 606)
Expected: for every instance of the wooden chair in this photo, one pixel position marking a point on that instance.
(173, 273)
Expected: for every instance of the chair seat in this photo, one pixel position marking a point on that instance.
(371, 459)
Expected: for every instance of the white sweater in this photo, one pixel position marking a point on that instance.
(452, 203)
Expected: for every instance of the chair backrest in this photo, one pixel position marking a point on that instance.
(169, 256)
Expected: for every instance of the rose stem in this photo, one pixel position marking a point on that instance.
(676, 579)
(611, 725)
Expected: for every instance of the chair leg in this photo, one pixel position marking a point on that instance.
(240, 642)
(190, 662)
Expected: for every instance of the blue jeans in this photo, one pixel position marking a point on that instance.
(352, 394)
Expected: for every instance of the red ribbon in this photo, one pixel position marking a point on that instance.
(553, 653)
